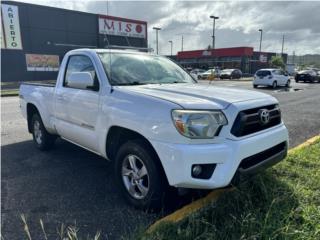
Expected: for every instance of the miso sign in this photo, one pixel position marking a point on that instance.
(122, 27)
(11, 27)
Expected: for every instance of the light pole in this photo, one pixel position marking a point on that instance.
(213, 29)
(171, 45)
(157, 29)
(181, 43)
(282, 45)
(260, 30)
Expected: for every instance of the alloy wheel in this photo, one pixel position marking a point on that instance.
(135, 177)
(37, 132)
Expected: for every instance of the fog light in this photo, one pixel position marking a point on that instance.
(196, 170)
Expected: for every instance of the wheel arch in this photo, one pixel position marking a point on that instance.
(31, 110)
(118, 135)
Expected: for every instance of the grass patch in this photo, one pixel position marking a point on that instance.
(9, 92)
(281, 203)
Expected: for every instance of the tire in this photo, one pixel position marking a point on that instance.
(288, 84)
(274, 84)
(255, 86)
(41, 138)
(144, 192)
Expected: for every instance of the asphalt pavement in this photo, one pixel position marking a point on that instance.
(72, 186)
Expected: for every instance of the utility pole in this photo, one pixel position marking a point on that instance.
(260, 30)
(157, 29)
(171, 45)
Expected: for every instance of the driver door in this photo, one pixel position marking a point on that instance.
(80, 106)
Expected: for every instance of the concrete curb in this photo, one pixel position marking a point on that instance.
(185, 211)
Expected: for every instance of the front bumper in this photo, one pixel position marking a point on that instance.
(177, 159)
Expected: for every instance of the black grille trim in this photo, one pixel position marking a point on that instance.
(262, 156)
(248, 121)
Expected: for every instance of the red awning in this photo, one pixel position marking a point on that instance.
(220, 52)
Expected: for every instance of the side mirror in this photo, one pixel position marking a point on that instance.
(81, 80)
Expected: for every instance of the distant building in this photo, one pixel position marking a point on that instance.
(35, 38)
(243, 58)
(308, 59)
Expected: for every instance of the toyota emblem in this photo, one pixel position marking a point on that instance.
(264, 116)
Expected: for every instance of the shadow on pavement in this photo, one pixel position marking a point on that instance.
(68, 185)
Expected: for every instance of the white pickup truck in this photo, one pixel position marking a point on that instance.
(155, 122)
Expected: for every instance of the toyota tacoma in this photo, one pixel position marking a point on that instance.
(156, 124)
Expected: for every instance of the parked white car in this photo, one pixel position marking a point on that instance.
(159, 127)
(271, 77)
(196, 73)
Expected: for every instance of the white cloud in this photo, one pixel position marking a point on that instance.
(238, 24)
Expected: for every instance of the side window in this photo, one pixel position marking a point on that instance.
(276, 72)
(80, 63)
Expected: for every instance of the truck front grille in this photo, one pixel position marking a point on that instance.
(250, 121)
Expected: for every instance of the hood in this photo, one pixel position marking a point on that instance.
(197, 96)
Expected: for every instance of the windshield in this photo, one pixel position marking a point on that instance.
(138, 69)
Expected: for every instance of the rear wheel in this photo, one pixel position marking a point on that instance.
(138, 175)
(255, 86)
(274, 84)
(41, 138)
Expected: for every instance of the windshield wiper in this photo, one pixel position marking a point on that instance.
(130, 83)
(173, 82)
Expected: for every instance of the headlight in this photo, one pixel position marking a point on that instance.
(198, 124)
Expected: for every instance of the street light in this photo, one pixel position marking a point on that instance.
(260, 30)
(157, 29)
(213, 29)
(171, 46)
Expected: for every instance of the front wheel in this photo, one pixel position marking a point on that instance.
(255, 86)
(42, 139)
(288, 84)
(139, 175)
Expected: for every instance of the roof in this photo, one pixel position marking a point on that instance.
(106, 50)
(267, 69)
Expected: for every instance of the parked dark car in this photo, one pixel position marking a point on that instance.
(231, 74)
(307, 76)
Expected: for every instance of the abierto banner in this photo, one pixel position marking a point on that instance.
(42, 63)
(11, 36)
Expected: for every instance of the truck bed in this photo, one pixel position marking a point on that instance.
(47, 84)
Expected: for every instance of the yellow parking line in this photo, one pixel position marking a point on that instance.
(306, 143)
(190, 208)
(185, 211)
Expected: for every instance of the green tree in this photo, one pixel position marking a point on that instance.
(277, 61)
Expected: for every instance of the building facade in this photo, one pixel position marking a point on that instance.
(243, 58)
(35, 38)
